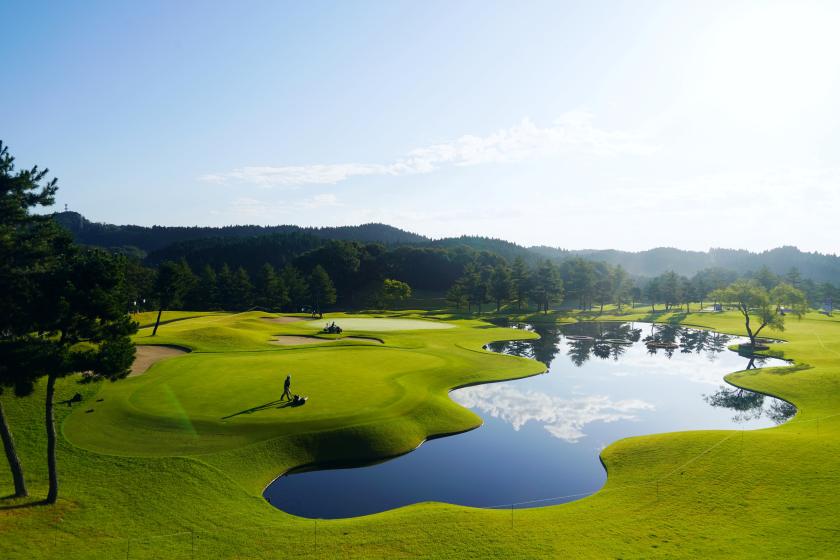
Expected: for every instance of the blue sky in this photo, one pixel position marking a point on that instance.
(575, 124)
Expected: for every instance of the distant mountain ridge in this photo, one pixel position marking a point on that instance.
(817, 266)
(165, 242)
(153, 238)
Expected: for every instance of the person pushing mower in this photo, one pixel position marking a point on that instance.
(287, 385)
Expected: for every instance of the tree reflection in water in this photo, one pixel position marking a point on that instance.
(749, 405)
(543, 350)
(607, 340)
(610, 340)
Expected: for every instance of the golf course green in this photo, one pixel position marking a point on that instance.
(171, 462)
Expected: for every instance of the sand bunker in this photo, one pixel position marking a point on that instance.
(284, 320)
(291, 340)
(149, 354)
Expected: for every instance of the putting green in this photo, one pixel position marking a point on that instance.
(221, 397)
(205, 402)
(379, 324)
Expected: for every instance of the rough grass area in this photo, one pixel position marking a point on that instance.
(171, 464)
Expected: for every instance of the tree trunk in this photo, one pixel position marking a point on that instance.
(757, 331)
(11, 455)
(157, 322)
(52, 494)
(498, 305)
(746, 313)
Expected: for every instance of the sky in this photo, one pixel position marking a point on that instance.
(625, 125)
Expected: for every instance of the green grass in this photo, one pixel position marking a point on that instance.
(171, 464)
(382, 324)
(148, 318)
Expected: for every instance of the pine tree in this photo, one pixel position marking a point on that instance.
(241, 290)
(84, 328)
(271, 291)
(297, 288)
(29, 243)
(501, 285)
(321, 289)
(457, 295)
(207, 289)
(521, 277)
(548, 287)
(174, 280)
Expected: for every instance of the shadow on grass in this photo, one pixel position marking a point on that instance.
(27, 504)
(677, 318)
(654, 316)
(266, 406)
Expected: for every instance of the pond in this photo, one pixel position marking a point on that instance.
(542, 436)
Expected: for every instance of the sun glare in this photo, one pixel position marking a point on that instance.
(772, 66)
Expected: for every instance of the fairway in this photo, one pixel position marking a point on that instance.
(190, 445)
(382, 325)
(216, 398)
(209, 401)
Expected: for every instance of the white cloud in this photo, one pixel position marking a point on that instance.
(245, 208)
(319, 201)
(563, 418)
(571, 133)
(291, 175)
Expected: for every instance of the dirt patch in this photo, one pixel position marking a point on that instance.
(149, 354)
(284, 320)
(292, 340)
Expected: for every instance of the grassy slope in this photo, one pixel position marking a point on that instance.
(754, 494)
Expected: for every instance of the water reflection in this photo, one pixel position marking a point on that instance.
(563, 418)
(613, 340)
(542, 436)
(749, 405)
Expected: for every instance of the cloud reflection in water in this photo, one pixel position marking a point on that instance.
(563, 418)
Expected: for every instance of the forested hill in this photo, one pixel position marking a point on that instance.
(149, 239)
(817, 266)
(510, 251)
(251, 246)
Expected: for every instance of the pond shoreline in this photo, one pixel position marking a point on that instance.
(343, 465)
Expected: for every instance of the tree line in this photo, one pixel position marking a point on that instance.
(351, 274)
(586, 285)
(174, 285)
(264, 244)
(62, 308)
